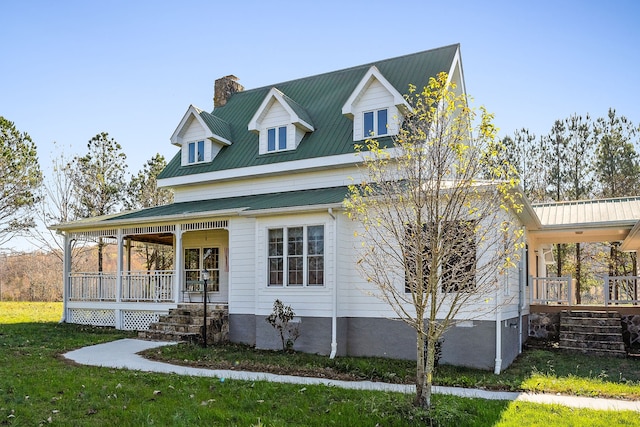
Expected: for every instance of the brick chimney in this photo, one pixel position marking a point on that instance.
(224, 88)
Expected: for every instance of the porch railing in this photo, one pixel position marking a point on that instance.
(621, 290)
(616, 290)
(551, 290)
(144, 286)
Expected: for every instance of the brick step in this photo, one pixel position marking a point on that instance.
(573, 320)
(169, 336)
(591, 336)
(595, 352)
(182, 319)
(597, 329)
(595, 345)
(172, 327)
(590, 314)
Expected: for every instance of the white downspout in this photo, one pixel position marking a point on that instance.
(498, 361)
(334, 305)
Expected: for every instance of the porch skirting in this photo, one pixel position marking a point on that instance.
(127, 316)
(471, 343)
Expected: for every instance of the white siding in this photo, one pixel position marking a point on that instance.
(307, 300)
(242, 262)
(272, 184)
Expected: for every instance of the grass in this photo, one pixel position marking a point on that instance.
(38, 387)
(22, 312)
(540, 371)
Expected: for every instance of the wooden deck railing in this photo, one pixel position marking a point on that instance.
(617, 290)
(138, 286)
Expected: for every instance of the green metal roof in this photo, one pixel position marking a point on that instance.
(321, 97)
(218, 126)
(320, 196)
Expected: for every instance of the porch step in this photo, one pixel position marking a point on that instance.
(185, 323)
(592, 332)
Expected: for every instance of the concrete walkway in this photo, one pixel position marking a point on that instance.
(123, 354)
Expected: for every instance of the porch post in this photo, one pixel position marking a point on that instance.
(119, 266)
(66, 276)
(119, 277)
(177, 264)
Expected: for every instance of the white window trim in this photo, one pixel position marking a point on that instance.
(305, 256)
(201, 252)
(375, 123)
(195, 152)
(277, 140)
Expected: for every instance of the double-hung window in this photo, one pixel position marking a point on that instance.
(296, 256)
(375, 123)
(196, 152)
(457, 264)
(277, 139)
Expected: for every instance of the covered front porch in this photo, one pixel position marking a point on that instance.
(133, 299)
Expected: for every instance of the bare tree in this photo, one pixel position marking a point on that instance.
(435, 237)
(143, 192)
(59, 204)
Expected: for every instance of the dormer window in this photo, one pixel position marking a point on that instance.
(280, 122)
(375, 106)
(196, 152)
(277, 139)
(376, 122)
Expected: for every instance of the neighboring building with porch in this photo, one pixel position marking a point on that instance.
(259, 184)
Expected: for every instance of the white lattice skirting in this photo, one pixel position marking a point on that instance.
(132, 320)
(138, 320)
(92, 317)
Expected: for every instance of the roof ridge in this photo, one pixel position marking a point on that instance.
(342, 70)
(584, 201)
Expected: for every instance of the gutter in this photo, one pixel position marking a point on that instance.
(334, 302)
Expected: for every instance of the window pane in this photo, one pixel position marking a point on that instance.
(271, 140)
(282, 138)
(192, 152)
(296, 272)
(368, 124)
(275, 242)
(382, 122)
(275, 272)
(295, 241)
(192, 259)
(201, 151)
(316, 270)
(211, 263)
(315, 235)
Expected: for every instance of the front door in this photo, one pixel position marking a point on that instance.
(195, 260)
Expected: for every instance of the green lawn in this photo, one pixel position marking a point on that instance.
(37, 387)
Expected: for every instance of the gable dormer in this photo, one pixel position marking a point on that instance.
(201, 136)
(375, 106)
(280, 122)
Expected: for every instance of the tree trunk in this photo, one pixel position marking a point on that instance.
(423, 385)
(100, 253)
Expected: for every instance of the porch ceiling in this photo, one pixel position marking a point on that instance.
(605, 220)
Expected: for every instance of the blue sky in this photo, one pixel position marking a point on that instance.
(72, 69)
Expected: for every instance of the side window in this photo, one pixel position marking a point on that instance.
(295, 256)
